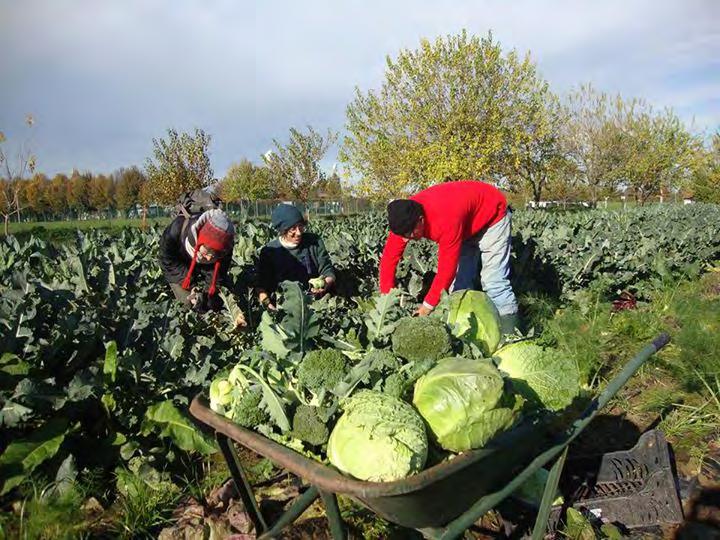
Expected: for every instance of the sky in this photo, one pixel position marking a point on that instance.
(103, 78)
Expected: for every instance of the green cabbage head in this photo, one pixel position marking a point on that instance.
(378, 438)
(546, 378)
(473, 317)
(221, 395)
(465, 403)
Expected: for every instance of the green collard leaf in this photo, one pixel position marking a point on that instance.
(117, 439)
(349, 343)
(13, 365)
(112, 278)
(108, 400)
(170, 422)
(272, 402)
(382, 319)
(273, 337)
(23, 456)
(13, 414)
(232, 312)
(111, 363)
(172, 344)
(128, 449)
(82, 284)
(64, 479)
(299, 322)
(80, 387)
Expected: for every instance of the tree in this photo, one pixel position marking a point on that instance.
(592, 138)
(445, 111)
(535, 156)
(246, 181)
(101, 194)
(14, 168)
(332, 187)
(77, 193)
(129, 183)
(181, 163)
(35, 194)
(56, 194)
(705, 182)
(295, 168)
(658, 152)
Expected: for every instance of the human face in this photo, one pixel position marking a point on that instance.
(206, 255)
(418, 231)
(294, 234)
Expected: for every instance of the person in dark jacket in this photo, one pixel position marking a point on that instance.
(195, 255)
(295, 255)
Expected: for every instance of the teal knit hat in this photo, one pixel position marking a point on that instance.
(284, 216)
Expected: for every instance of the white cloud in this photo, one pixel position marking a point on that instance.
(104, 77)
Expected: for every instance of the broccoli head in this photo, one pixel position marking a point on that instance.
(247, 411)
(307, 426)
(322, 370)
(421, 338)
(399, 383)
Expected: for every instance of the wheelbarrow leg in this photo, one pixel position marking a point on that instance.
(300, 504)
(337, 526)
(241, 483)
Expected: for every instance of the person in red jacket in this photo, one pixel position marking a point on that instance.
(470, 221)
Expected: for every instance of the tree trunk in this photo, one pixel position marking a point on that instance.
(7, 219)
(537, 192)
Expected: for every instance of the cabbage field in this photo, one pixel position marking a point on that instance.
(98, 364)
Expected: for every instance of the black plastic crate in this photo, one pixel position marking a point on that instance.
(635, 488)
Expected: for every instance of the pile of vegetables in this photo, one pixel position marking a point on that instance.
(373, 398)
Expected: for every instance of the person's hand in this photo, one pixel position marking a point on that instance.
(319, 292)
(327, 283)
(267, 304)
(194, 297)
(240, 321)
(422, 311)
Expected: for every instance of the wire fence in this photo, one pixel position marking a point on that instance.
(259, 209)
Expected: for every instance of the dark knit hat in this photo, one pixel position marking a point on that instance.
(403, 215)
(285, 216)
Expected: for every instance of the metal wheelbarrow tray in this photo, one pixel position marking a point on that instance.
(441, 501)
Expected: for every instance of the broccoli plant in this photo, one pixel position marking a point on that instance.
(293, 334)
(318, 374)
(398, 384)
(308, 425)
(374, 365)
(247, 411)
(421, 338)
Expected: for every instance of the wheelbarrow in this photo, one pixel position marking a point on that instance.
(442, 501)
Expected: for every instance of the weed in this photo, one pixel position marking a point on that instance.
(147, 499)
(48, 513)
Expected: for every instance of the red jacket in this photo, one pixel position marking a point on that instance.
(454, 212)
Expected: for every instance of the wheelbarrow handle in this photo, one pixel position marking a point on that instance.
(660, 341)
(621, 379)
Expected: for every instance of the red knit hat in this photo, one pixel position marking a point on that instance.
(217, 239)
(217, 233)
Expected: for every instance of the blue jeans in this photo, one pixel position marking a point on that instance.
(493, 249)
